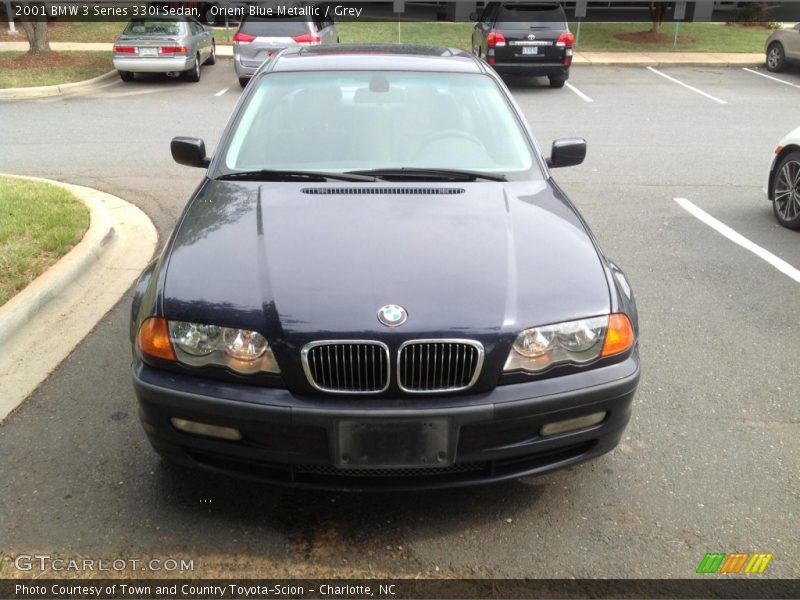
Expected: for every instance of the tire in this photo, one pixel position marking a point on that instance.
(212, 60)
(243, 81)
(776, 58)
(193, 74)
(557, 82)
(786, 191)
(125, 75)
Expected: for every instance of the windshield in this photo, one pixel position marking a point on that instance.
(523, 16)
(358, 120)
(153, 27)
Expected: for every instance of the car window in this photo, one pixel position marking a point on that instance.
(153, 27)
(343, 121)
(513, 16)
(274, 27)
(487, 16)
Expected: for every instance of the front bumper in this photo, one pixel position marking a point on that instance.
(291, 440)
(153, 65)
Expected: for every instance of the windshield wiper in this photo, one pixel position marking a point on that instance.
(280, 175)
(428, 174)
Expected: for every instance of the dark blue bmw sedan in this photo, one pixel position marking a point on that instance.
(379, 285)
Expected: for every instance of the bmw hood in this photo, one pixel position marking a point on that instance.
(312, 261)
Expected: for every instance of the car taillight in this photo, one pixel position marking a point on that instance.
(307, 38)
(173, 50)
(243, 38)
(125, 49)
(565, 40)
(495, 39)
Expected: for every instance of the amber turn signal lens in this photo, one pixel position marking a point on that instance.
(154, 339)
(619, 335)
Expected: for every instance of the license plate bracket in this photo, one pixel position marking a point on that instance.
(398, 444)
(148, 51)
(530, 50)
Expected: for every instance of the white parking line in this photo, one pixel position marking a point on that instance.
(578, 92)
(219, 93)
(687, 86)
(738, 238)
(794, 85)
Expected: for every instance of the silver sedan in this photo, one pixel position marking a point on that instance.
(175, 46)
(783, 47)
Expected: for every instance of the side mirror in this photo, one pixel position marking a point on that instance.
(473, 16)
(567, 152)
(189, 151)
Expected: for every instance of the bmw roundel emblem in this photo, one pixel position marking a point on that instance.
(392, 315)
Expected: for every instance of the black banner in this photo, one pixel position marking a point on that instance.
(388, 10)
(397, 589)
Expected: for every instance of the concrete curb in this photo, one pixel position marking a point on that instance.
(54, 90)
(65, 303)
(657, 63)
(667, 59)
(19, 311)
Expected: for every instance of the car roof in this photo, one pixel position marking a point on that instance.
(377, 57)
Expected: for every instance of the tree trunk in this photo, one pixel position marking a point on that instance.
(36, 29)
(658, 10)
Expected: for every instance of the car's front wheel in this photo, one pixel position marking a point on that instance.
(193, 74)
(786, 193)
(212, 59)
(776, 59)
(125, 75)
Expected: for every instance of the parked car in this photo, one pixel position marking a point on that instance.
(783, 181)
(175, 46)
(782, 48)
(260, 38)
(378, 284)
(525, 38)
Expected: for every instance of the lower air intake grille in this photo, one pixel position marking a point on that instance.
(431, 366)
(352, 367)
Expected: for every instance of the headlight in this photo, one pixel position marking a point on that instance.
(576, 342)
(194, 339)
(240, 350)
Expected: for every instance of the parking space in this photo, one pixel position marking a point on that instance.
(707, 464)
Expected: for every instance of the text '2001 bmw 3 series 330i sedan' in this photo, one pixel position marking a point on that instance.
(378, 285)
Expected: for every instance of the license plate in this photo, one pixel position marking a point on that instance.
(530, 50)
(375, 444)
(148, 51)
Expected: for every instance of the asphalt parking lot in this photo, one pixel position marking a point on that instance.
(709, 462)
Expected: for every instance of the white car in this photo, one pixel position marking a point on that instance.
(783, 182)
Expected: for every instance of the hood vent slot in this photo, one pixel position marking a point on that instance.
(404, 191)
